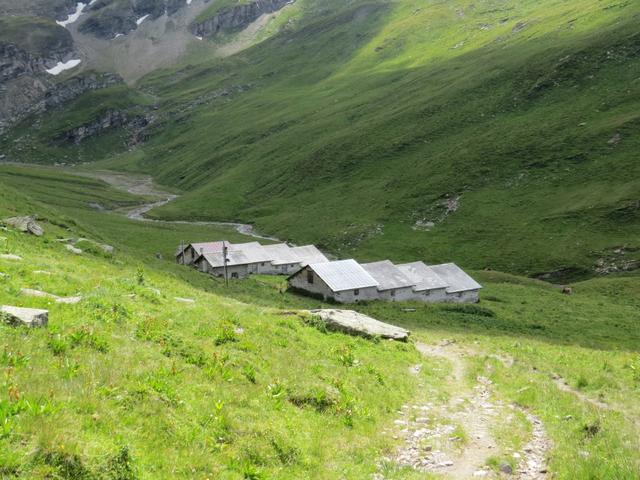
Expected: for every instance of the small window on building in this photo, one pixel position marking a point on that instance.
(309, 276)
(393, 293)
(356, 291)
(234, 275)
(459, 294)
(262, 264)
(427, 293)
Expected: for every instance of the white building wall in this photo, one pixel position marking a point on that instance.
(349, 296)
(469, 296)
(233, 271)
(431, 296)
(318, 286)
(397, 295)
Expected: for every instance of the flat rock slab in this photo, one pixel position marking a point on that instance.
(73, 249)
(37, 293)
(354, 323)
(10, 256)
(25, 224)
(184, 300)
(30, 317)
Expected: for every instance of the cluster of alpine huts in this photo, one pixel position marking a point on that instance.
(343, 281)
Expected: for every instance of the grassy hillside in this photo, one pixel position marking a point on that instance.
(493, 134)
(133, 383)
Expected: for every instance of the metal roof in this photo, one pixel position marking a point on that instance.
(309, 254)
(423, 277)
(343, 275)
(238, 254)
(204, 247)
(387, 275)
(281, 254)
(457, 279)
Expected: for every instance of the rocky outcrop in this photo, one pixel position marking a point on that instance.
(354, 323)
(35, 94)
(107, 121)
(29, 317)
(236, 18)
(25, 224)
(108, 19)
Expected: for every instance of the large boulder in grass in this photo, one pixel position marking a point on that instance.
(25, 224)
(30, 317)
(354, 323)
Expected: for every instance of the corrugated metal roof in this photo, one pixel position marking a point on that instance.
(343, 275)
(387, 275)
(423, 277)
(204, 247)
(281, 254)
(238, 254)
(308, 254)
(457, 279)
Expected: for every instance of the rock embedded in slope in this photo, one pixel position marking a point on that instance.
(354, 323)
(30, 317)
(25, 224)
(73, 249)
(10, 256)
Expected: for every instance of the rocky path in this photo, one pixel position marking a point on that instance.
(455, 439)
(143, 185)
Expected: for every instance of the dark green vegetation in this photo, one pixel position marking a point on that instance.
(494, 134)
(34, 35)
(132, 383)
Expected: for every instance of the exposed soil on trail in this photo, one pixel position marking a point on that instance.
(455, 439)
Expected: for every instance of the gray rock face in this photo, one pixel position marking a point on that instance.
(237, 18)
(25, 224)
(355, 323)
(29, 317)
(36, 94)
(109, 120)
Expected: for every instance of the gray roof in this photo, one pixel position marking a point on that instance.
(343, 275)
(387, 275)
(309, 254)
(281, 254)
(457, 279)
(204, 247)
(239, 254)
(422, 276)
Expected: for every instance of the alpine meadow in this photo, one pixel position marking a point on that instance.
(320, 239)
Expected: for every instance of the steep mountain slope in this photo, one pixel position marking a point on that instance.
(497, 134)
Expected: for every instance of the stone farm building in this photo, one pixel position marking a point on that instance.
(346, 281)
(244, 259)
(393, 285)
(427, 285)
(187, 255)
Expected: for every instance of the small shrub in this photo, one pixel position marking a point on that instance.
(58, 345)
(277, 389)
(288, 455)
(226, 334)
(582, 382)
(9, 358)
(346, 356)
(249, 373)
(140, 280)
(318, 398)
(468, 309)
(119, 467)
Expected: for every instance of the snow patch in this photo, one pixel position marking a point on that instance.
(74, 16)
(118, 35)
(199, 38)
(61, 67)
(188, 2)
(141, 19)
